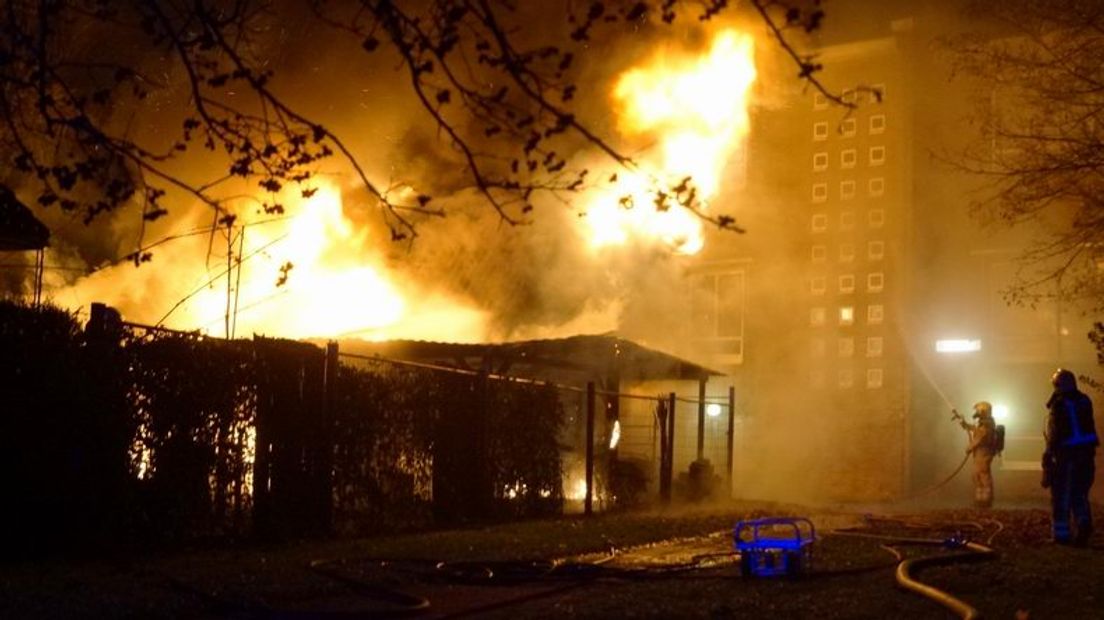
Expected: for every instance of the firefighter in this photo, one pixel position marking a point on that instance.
(983, 447)
(1068, 466)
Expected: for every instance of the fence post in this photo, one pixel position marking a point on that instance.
(588, 502)
(330, 370)
(671, 402)
(664, 472)
(701, 419)
(731, 433)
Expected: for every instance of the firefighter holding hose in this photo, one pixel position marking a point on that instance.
(1068, 463)
(984, 445)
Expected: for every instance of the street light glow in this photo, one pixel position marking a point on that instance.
(712, 410)
(1000, 413)
(957, 346)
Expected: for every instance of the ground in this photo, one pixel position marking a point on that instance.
(657, 564)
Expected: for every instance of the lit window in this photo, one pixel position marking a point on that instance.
(874, 378)
(877, 155)
(846, 378)
(847, 189)
(848, 157)
(847, 220)
(876, 218)
(846, 347)
(875, 314)
(818, 348)
(820, 131)
(877, 123)
(848, 127)
(876, 186)
(847, 283)
(820, 222)
(874, 346)
(820, 192)
(820, 102)
(820, 161)
(877, 93)
(875, 282)
(816, 379)
(847, 252)
(817, 316)
(817, 285)
(847, 315)
(875, 250)
(820, 253)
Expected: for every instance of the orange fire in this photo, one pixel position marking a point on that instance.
(695, 108)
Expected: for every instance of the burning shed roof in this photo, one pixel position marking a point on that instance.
(20, 230)
(603, 354)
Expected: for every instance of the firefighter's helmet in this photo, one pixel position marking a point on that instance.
(1064, 380)
(983, 410)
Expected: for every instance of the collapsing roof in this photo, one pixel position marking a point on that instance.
(20, 230)
(602, 354)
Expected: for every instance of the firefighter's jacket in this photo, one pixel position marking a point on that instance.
(983, 437)
(1070, 422)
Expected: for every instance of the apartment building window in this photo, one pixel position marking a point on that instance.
(820, 192)
(818, 348)
(820, 102)
(717, 305)
(820, 222)
(848, 157)
(820, 162)
(847, 220)
(874, 378)
(874, 346)
(818, 315)
(847, 315)
(846, 252)
(846, 378)
(847, 190)
(820, 253)
(877, 155)
(875, 314)
(875, 282)
(846, 347)
(876, 218)
(848, 128)
(877, 124)
(817, 285)
(876, 186)
(820, 131)
(875, 250)
(847, 283)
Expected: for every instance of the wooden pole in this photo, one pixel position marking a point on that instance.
(588, 502)
(731, 433)
(664, 470)
(701, 418)
(670, 441)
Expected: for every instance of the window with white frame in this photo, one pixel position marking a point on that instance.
(818, 315)
(820, 192)
(847, 283)
(820, 253)
(876, 218)
(848, 127)
(850, 96)
(820, 131)
(820, 222)
(875, 250)
(846, 252)
(876, 186)
(874, 346)
(717, 303)
(820, 102)
(847, 189)
(877, 155)
(848, 157)
(875, 282)
(846, 378)
(847, 220)
(820, 162)
(875, 314)
(877, 124)
(817, 285)
(847, 315)
(874, 378)
(846, 347)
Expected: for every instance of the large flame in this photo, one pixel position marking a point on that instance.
(695, 107)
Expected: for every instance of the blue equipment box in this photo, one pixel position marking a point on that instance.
(775, 546)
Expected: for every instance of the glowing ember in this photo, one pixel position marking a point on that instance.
(696, 109)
